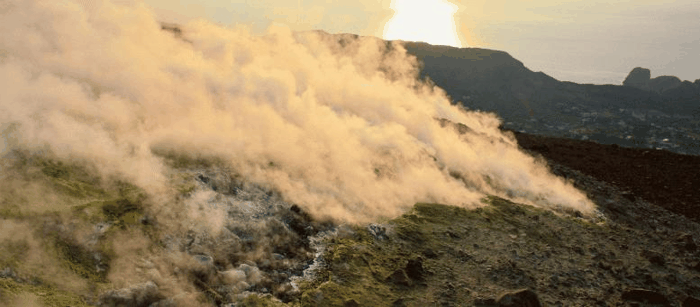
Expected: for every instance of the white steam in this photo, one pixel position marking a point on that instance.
(342, 129)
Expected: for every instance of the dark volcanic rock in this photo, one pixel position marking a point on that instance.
(145, 294)
(520, 298)
(691, 302)
(654, 257)
(666, 179)
(414, 269)
(639, 78)
(645, 296)
(685, 241)
(488, 302)
(399, 277)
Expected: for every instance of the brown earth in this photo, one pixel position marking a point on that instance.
(666, 179)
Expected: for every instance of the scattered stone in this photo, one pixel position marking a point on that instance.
(414, 269)
(654, 257)
(399, 303)
(204, 259)
(645, 296)
(144, 294)
(203, 179)
(628, 195)
(485, 302)
(519, 298)
(686, 242)
(399, 277)
(464, 256)
(604, 265)
(351, 303)
(430, 253)
(7, 272)
(377, 231)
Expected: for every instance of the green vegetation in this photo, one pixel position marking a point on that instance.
(61, 206)
(180, 160)
(11, 290)
(412, 260)
(12, 252)
(419, 256)
(254, 300)
(82, 261)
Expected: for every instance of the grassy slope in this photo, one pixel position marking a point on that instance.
(58, 219)
(442, 254)
(432, 255)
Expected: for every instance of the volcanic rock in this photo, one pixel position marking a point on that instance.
(519, 298)
(645, 296)
(691, 302)
(139, 295)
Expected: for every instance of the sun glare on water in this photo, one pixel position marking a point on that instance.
(430, 21)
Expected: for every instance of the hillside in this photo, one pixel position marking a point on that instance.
(636, 253)
(150, 164)
(658, 113)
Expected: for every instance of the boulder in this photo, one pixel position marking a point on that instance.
(400, 278)
(144, 295)
(654, 257)
(519, 298)
(645, 296)
(414, 269)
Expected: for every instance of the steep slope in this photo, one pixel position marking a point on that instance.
(204, 166)
(634, 252)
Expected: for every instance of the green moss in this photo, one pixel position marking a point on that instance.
(88, 264)
(77, 189)
(10, 210)
(180, 160)
(47, 295)
(70, 178)
(375, 271)
(12, 252)
(364, 294)
(254, 300)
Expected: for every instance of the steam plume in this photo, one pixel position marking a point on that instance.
(341, 127)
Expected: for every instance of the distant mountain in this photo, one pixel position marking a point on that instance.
(662, 112)
(473, 75)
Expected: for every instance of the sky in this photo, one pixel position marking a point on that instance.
(597, 42)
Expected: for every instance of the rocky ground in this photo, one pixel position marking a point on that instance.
(641, 250)
(663, 178)
(514, 255)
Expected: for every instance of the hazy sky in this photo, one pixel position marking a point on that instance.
(582, 41)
